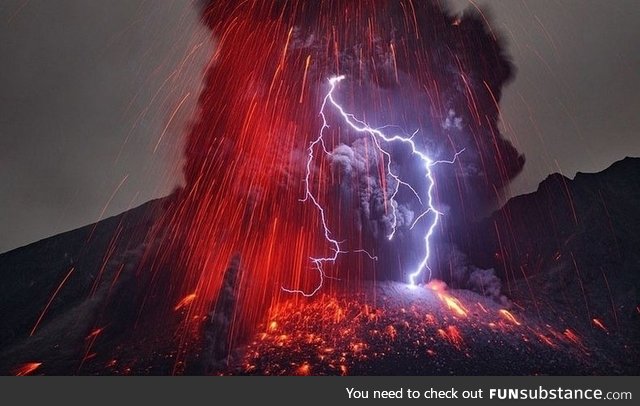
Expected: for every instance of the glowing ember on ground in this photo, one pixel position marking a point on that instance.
(309, 337)
(27, 368)
(451, 302)
(507, 315)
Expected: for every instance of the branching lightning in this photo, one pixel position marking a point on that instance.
(377, 136)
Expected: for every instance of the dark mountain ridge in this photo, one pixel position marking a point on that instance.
(573, 243)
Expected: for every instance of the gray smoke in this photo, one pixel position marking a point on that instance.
(352, 165)
(217, 331)
(468, 276)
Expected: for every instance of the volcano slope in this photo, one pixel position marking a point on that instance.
(396, 329)
(572, 309)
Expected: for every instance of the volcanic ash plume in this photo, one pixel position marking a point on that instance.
(409, 67)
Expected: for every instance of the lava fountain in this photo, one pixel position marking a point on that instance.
(247, 168)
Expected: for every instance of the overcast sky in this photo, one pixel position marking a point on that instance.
(96, 94)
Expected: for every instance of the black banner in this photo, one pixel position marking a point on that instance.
(320, 390)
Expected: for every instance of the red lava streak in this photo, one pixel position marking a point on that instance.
(246, 172)
(27, 368)
(185, 301)
(258, 111)
(507, 315)
(223, 276)
(600, 325)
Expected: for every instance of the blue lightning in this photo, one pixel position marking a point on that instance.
(377, 136)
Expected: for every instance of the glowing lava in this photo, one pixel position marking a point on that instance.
(451, 302)
(507, 315)
(348, 333)
(27, 368)
(185, 301)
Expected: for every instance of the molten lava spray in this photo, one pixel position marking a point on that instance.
(409, 64)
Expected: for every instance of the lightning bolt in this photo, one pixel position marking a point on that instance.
(377, 136)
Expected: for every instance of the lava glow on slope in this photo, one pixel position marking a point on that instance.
(347, 334)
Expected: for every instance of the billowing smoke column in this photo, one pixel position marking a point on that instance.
(377, 136)
(409, 64)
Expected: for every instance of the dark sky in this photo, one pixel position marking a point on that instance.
(90, 87)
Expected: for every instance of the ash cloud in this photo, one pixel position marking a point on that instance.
(416, 66)
(351, 164)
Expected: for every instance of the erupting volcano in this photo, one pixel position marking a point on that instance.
(337, 179)
(277, 167)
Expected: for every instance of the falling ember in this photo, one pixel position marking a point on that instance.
(27, 368)
(546, 340)
(572, 336)
(185, 301)
(508, 316)
(94, 334)
(600, 325)
(51, 299)
(575, 339)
